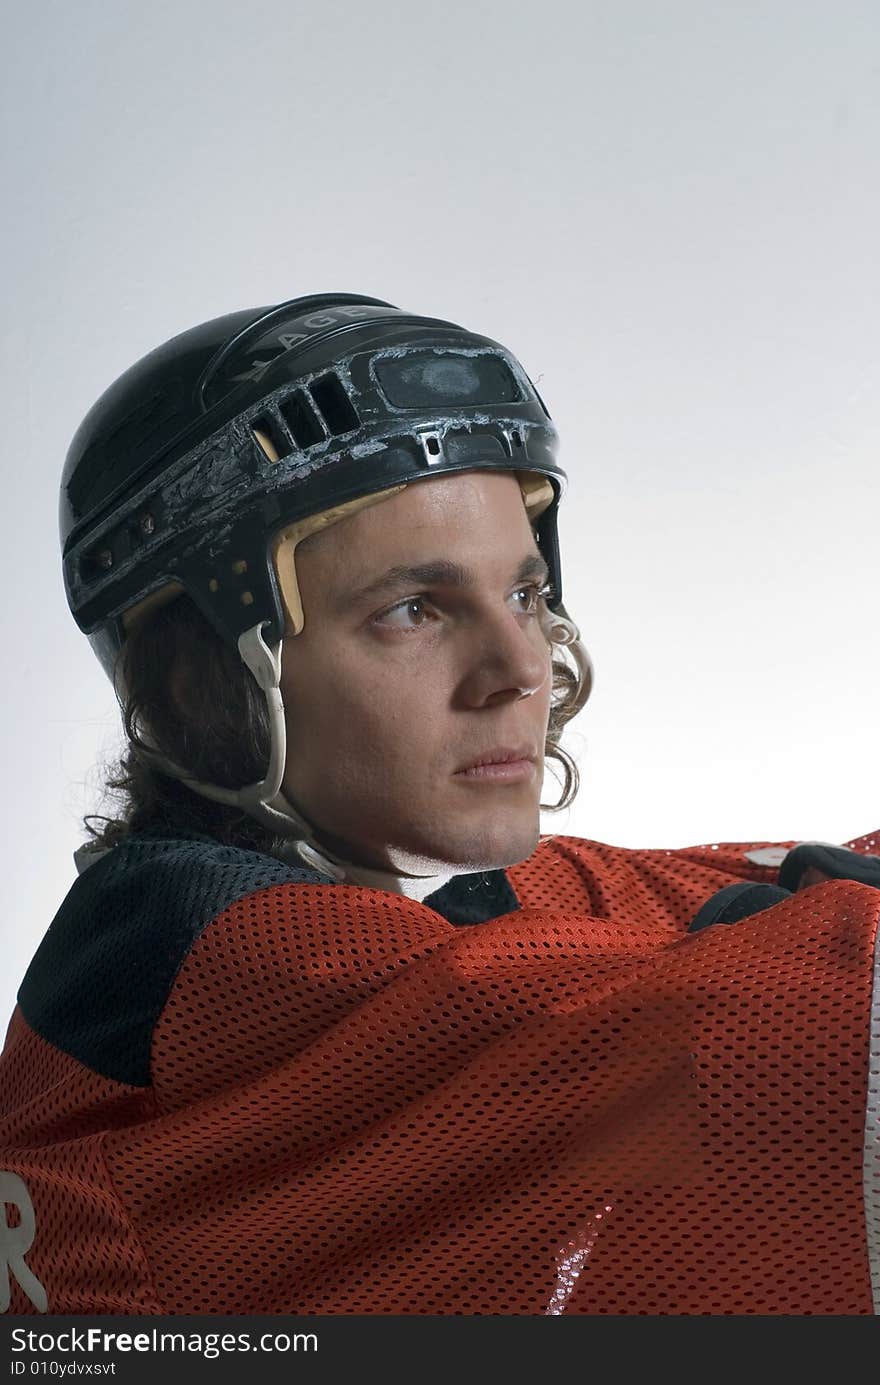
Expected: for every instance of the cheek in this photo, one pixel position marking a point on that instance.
(362, 705)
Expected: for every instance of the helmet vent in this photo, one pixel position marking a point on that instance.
(96, 564)
(332, 399)
(270, 437)
(300, 419)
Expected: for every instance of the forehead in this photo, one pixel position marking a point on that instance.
(465, 514)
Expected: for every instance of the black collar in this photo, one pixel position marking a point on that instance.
(474, 898)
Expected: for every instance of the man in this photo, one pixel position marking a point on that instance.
(324, 1026)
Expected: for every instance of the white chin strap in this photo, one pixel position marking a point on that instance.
(264, 800)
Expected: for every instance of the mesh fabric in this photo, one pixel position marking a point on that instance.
(356, 1107)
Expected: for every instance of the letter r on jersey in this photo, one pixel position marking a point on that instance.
(15, 1240)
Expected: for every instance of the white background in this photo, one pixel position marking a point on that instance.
(667, 209)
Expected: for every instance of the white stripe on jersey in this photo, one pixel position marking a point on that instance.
(871, 1162)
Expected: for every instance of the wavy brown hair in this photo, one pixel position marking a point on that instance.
(200, 706)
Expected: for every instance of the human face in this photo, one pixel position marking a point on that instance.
(400, 681)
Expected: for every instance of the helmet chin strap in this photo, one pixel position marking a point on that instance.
(264, 800)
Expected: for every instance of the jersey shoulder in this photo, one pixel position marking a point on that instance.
(103, 971)
(653, 888)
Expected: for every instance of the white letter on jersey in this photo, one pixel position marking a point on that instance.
(15, 1240)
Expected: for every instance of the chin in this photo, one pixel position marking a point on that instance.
(493, 849)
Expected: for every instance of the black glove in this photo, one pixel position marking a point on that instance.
(737, 902)
(821, 860)
(809, 863)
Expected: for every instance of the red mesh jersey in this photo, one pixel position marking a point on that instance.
(329, 1099)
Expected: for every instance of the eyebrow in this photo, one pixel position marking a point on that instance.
(441, 573)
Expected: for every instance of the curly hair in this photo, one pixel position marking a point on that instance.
(223, 737)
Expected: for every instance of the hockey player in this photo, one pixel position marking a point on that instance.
(323, 1026)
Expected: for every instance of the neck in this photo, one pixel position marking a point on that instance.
(413, 886)
(333, 861)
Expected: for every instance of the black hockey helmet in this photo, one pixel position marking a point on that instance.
(184, 469)
(205, 463)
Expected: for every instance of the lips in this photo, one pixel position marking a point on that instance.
(500, 755)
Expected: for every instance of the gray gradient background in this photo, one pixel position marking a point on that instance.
(669, 210)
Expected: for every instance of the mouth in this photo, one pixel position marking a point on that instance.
(502, 764)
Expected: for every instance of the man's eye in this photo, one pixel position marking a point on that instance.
(406, 615)
(527, 597)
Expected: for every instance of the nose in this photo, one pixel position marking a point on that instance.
(509, 658)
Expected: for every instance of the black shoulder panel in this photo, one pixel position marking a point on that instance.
(101, 976)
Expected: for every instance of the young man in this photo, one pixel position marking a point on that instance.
(324, 1026)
